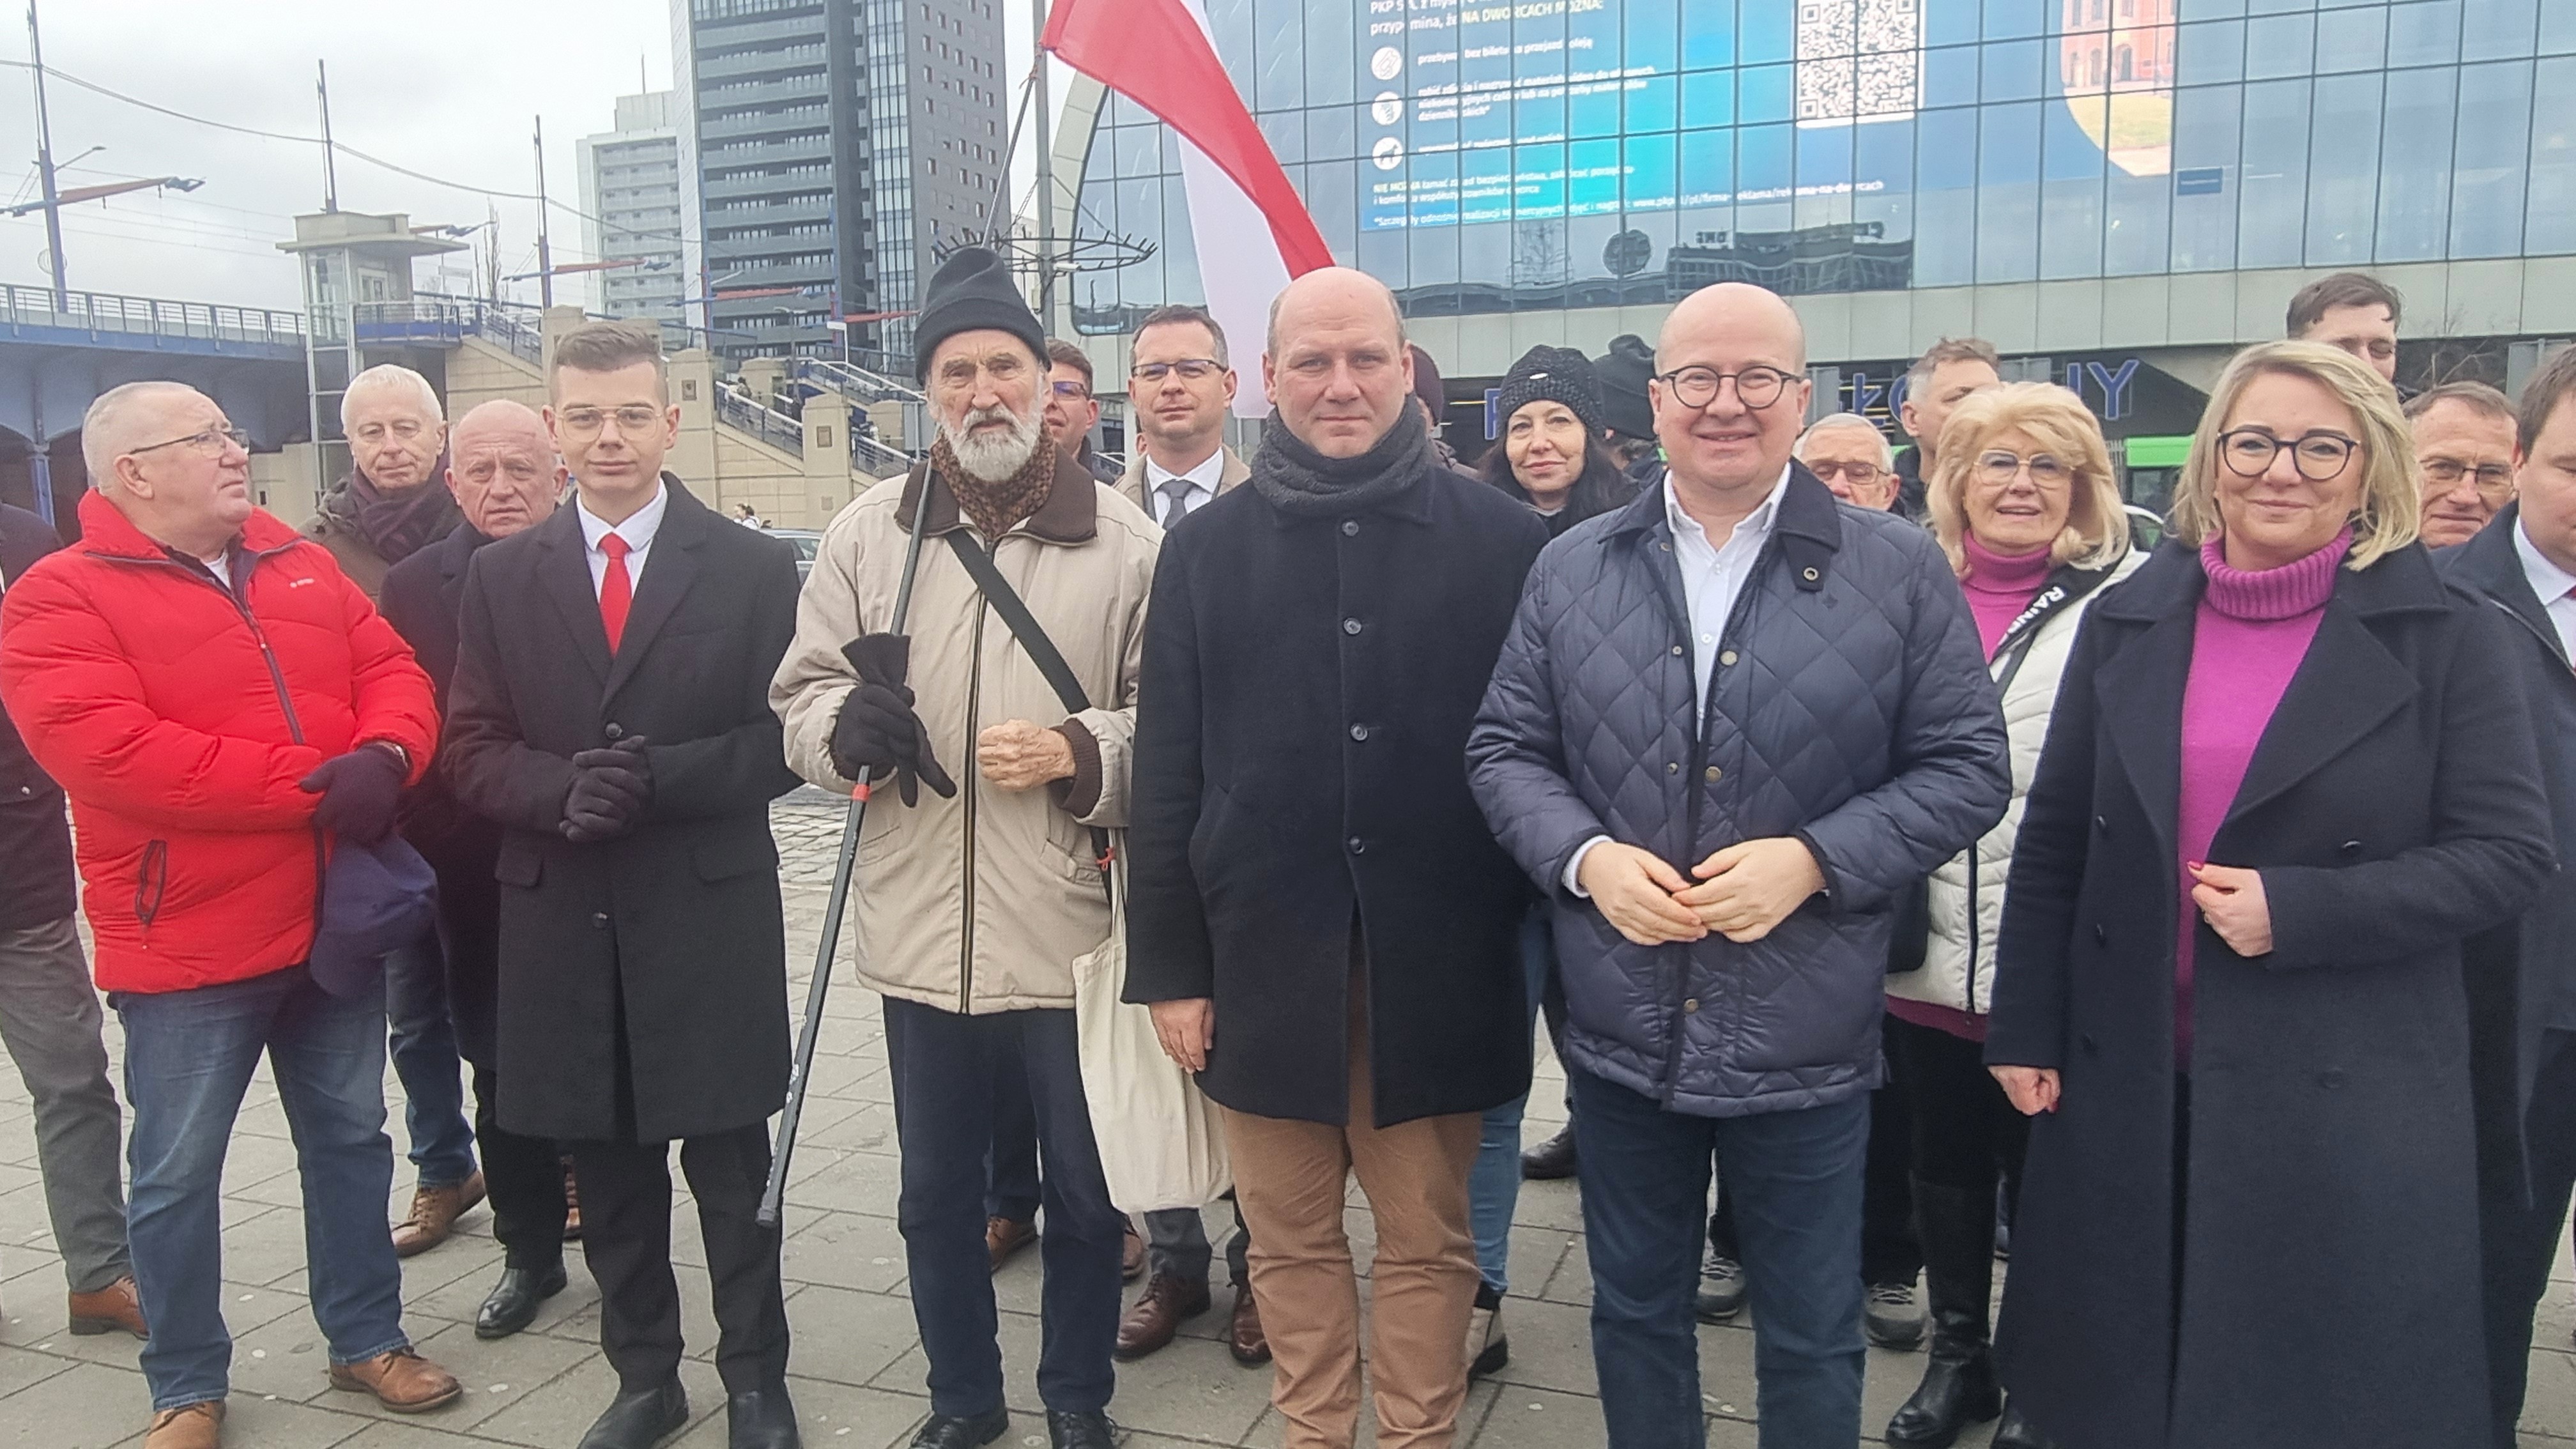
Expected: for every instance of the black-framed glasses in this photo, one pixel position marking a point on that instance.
(1697, 387)
(1999, 467)
(1191, 369)
(208, 444)
(2494, 479)
(2319, 455)
(633, 418)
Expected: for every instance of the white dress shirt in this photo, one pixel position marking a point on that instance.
(1202, 480)
(637, 530)
(1713, 577)
(2552, 584)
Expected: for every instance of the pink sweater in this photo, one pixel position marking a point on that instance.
(2251, 632)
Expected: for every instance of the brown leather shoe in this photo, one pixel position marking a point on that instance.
(1243, 1337)
(190, 1426)
(1150, 1325)
(1006, 1236)
(402, 1381)
(434, 1211)
(110, 1309)
(1131, 1261)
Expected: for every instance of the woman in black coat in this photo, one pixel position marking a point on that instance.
(2252, 1129)
(1553, 455)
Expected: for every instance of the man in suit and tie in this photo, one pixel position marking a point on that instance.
(506, 478)
(1180, 386)
(610, 711)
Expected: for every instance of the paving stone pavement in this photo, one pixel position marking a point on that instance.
(857, 1372)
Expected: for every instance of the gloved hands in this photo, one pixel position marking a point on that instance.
(878, 730)
(609, 791)
(360, 792)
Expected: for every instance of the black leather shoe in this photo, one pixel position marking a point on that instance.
(513, 1301)
(640, 1418)
(952, 1431)
(761, 1419)
(1957, 1229)
(1081, 1431)
(2016, 1432)
(1551, 1159)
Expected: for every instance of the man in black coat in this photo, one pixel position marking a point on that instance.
(610, 710)
(506, 478)
(1324, 926)
(2523, 564)
(49, 1013)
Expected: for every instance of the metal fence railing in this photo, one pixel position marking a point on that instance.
(149, 316)
(770, 426)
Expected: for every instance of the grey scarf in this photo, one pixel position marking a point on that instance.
(1303, 483)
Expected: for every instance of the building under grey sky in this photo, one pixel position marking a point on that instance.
(639, 204)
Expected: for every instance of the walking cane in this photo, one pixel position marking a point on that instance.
(801, 1072)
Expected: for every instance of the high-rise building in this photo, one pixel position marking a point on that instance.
(838, 145)
(636, 202)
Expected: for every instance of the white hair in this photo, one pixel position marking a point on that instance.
(107, 428)
(1834, 422)
(393, 374)
(990, 460)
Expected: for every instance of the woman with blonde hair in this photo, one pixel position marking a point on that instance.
(2287, 774)
(2024, 503)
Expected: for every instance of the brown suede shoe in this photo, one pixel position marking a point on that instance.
(108, 1310)
(1243, 1337)
(402, 1381)
(1150, 1325)
(190, 1426)
(1131, 1261)
(1006, 1236)
(434, 1211)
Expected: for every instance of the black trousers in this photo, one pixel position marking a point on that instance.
(2518, 1234)
(1966, 1133)
(1889, 1251)
(525, 1178)
(626, 1236)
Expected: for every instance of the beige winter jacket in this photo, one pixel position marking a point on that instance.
(979, 903)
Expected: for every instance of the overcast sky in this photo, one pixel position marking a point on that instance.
(451, 88)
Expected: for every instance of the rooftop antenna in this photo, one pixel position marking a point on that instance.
(330, 164)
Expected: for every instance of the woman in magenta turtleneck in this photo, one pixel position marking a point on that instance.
(2024, 502)
(2287, 773)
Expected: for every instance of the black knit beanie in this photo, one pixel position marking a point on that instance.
(1623, 372)
(1553, 374)
(972, 289)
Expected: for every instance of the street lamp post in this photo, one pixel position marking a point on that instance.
(45, 165)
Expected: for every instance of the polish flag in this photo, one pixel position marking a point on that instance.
(1160, 54)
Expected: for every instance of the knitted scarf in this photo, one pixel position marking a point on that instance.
(1303, 483)
(994, 508)
(395, 525)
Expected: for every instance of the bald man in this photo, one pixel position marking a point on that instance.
(1734, 722)
(504, 476)
(1325, 929)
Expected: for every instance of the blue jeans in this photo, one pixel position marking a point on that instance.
(1494, 1183)
(1795, 1179)
(188, 1057)
(425, 1059)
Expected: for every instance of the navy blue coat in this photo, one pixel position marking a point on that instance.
(35, 836)
(1851, 709)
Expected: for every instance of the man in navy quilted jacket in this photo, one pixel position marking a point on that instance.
(1733, 723)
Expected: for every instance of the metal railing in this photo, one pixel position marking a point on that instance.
(855, 382)
(874, 456)
(770, 426)
(149, 316)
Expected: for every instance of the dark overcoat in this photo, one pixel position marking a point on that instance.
(424, 599)
(2328, 1291)
(1301, 755)
(673, 931)
(36, 880)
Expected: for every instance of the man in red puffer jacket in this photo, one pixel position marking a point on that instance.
(222, 706)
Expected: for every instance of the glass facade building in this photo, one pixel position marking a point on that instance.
(1506, 158)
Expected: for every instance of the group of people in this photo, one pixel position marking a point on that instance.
(1888, 843)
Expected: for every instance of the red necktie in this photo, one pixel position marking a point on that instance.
(616, 591)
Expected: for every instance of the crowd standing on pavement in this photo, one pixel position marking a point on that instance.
(1910, 862)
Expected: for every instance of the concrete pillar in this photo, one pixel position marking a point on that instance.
(764, 376)
(693, 456)
(827, 458)
(888, 416)
(555, 323)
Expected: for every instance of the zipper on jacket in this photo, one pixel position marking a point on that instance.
(966, 788)
(1976, 927)
(151, 879)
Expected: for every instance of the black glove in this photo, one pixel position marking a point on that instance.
(360, 792)
(878, 729)
(609, 792)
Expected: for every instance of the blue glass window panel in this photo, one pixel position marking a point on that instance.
(1538, 117)
(1767, 31)
(2557, 28)
(2426, 32)
(1331, 43)
(1332, 192)
(1762, 164)
(2070, 212)
(1140, 148)
(1883, 177)
(1651, 33)
(1708, 33)
(1587, 253)
(1708, 98)
(1592, 177)
(1485, 257)
(1707, 164)
(2210, 9)
(2272, 203)
(1281, 53)
(2343, 170)
(1825, 157)
(1431, 254)
(2011, 71)
(2207, 136)
(2415, 164)
(2279, 45)
(1650, 182)
(1381, 254)
(1285, 130)
(2497, 29)
(1231, 22)
(1432, 195)
(1768, 92)
(2008, 193)
(1950, 76)
(2277, 7)
(1180, 247)
(1484, 116)
(1950, 22)
(1538, 265)
(1331, 133)
(2353, 40)
(1140, 208)
(2550, 225)
(2209, 53)
(1538, 180)
(1595, 111)
(1652, 104)
(1945, 198)
(1416, 133)
(2136, 233)
(1485, 185)
(2490, 170)
(2015, 19)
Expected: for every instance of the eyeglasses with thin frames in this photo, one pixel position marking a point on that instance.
(1861, 475)
(2495, 480)
(208, 444)
(1999, 468)
(633, 418)
(1191, 369)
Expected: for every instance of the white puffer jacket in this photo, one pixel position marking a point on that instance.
(1959, 959)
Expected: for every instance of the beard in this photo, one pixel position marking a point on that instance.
(992, 457)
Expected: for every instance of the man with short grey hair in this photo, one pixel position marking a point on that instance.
(1849, 455)
(1939, 380)
(2464, 458)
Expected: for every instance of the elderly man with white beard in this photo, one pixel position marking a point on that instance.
(976, 897)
